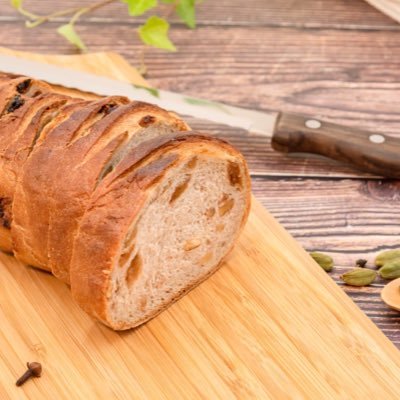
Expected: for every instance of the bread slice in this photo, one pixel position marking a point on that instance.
(17, 135)
(31, 199)
(20, 99)
(157, 226)
(26, 245)
(103, 148)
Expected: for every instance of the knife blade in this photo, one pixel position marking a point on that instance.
(252, 121)
(368, 151)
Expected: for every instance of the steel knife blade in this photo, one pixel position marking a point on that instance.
(253, 121)
(372, 152)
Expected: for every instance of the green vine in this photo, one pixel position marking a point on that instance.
(154, 32)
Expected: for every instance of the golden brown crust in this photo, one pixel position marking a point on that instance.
(34, 189)
(73, 178)
(14, 93)
(70, 195)
(30, 225)
(16, 125)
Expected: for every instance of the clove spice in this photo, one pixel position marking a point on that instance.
(34, 370)
(361, 263)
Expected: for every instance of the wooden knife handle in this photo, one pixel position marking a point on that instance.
(371, 152)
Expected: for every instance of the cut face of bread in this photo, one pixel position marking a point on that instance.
(190, 215)
(176, 243)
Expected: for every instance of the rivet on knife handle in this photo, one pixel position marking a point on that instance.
(374, 153)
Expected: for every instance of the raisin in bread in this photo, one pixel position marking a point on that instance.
(117, 198)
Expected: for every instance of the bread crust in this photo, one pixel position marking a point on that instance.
(30, 231)
(107, 219)
(76, 174)
(70, 195)
(17, 131)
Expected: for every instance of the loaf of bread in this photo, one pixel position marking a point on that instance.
(117, 198)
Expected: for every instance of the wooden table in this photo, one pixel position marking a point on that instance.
(334, 59)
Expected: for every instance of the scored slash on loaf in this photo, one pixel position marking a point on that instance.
(117, 198)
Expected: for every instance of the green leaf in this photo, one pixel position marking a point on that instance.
(168, 1)
(187, 12)
(153, 91)
(155, 33)
(139, 7)
(68, 31)
(16, 3)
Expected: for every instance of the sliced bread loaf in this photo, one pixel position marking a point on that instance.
(117, 198)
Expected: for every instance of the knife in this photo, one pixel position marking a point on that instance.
(375, 153)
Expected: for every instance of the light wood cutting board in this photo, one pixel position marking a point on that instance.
(270, 324)
(389, 7)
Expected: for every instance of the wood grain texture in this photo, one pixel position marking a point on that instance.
(318, 73)
(86, 63)
(242, 334)
(187, 351)
(345, 218)
(354, 14)
(332, 59)
(389, 7)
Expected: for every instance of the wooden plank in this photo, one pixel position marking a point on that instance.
(242, 334)
(348, 219)
(339, 14)
(337, 75)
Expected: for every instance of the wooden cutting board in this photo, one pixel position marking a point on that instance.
(389, 7)
(270, 324)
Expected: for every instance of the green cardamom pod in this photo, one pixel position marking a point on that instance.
(385, 256)
(391, 269)
(325, 261)
(359, 277)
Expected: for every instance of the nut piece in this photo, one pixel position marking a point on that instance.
(220, 227)
(180, 189)
(192, 163)
(234, 174)
(210, 212)
(147, 120)
(323, 260)
(206, 258)
(133, 270)
(191, 244)
(225, 205)
(359, 277)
